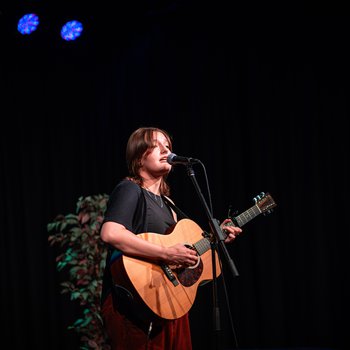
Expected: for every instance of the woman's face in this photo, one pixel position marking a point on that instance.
(154, 161)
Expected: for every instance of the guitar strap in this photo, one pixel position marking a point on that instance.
(177, 210)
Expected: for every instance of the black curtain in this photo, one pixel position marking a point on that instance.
(260, 97)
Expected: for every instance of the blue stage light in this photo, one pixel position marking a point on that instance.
(28, 23)
(71, 30)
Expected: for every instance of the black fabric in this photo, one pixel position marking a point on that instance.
(178, 211)
(139, 211)
(158, 215)
(125, 199)
(126, 206)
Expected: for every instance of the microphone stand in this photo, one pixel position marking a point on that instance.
(215, 228)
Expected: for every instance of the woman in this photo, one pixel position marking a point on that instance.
(140, 203)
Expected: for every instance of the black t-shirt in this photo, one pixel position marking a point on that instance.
(139, 211)
(126, 206)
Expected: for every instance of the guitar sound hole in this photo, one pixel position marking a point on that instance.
(190, 275)
(190, 246)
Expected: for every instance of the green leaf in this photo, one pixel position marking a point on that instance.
(84, 252)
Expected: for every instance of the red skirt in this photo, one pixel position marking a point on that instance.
(125, 334)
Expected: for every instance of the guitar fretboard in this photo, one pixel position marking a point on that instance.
(248, 215)
(202, 246)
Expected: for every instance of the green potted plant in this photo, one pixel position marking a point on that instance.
(82, 256)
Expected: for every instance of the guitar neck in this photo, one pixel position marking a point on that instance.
(263, 205)
(246, 216)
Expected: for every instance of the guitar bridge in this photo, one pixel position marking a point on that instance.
(170, 275)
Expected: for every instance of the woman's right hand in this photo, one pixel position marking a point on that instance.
(181, 255)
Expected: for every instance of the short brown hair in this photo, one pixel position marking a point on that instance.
(141, 141)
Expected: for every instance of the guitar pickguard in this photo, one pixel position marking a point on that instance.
(189, 276)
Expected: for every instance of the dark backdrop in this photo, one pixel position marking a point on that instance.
(259, 93)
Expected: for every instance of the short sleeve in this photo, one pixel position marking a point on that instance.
(123, 204)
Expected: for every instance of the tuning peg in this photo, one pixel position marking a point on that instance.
(267, 212)
(259, 197)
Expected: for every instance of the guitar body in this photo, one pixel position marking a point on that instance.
(150, 286)
(159, 291)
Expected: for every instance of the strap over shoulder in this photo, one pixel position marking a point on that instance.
(178, 211)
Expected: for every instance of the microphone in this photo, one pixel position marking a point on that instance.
(175, 159)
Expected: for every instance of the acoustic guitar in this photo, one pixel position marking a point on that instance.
(168, 292)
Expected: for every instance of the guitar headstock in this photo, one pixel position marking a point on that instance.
(265, 202)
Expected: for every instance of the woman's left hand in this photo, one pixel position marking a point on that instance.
(232, 231)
